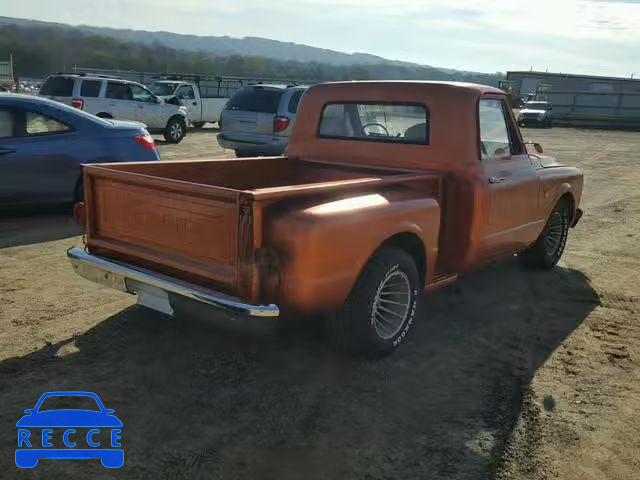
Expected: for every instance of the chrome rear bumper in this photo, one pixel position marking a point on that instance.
(135, 280)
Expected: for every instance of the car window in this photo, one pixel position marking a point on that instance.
(186, 92)
(118, 91)
(494, 133)
(140, 94)
(38, 124)
(57, 87)
(383, 122)
(7, 123)
(90, 88)
(69, 402)
(256, 99)
(295, 101)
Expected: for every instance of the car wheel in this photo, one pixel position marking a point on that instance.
(198, 124)
(175, 130)
(548, 248)
(381, 308)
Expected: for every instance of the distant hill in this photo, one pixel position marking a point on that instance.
(224, 46)
(207, 53)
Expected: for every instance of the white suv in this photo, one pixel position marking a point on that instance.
(109, 97)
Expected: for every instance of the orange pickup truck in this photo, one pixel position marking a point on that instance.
(387, 189)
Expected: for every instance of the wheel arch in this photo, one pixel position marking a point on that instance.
(411, 243)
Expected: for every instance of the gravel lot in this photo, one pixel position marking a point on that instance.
(509, 374)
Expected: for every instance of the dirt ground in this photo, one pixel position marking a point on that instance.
(509, 374)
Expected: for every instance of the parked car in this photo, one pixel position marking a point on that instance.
(259, 119)
(108, 97)
(200, 109)
(43, 143)
(536, 113)
(387, 189)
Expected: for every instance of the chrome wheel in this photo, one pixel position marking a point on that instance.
(554, 234)
(391, 305)
(175, 131)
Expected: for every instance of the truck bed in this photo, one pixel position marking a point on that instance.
(201, 221)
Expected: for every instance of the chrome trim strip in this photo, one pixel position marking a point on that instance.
(115, 275)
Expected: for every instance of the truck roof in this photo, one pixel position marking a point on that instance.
(428, 85)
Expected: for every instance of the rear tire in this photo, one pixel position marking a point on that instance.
(546, 252)
(175, 130)
(381, 307)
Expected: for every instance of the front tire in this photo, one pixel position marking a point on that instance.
(175, 130)
(545, 253)
(380, 310)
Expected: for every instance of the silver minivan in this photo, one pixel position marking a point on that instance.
(258, 120)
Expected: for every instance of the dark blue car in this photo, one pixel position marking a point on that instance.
(79, 430)
(43, 143)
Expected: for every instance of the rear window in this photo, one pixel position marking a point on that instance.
(295, 101)
(90, 88)
(377, 122)
(256, 100)
(57, 87)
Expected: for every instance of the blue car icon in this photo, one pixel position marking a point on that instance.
(35, 431)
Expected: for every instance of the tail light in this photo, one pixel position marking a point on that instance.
(77, 103)
(280, 124)
(146, 141)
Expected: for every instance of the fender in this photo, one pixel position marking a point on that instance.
(323, 247)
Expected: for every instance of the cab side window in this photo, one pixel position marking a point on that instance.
(494, 131)
(139, 94)
(186, 92)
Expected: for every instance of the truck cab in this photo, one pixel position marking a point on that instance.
(200, 110)
(386, 189)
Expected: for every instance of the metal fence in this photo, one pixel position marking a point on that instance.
(595, 109)
(211, 86)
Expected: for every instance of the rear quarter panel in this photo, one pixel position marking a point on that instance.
(323, 245)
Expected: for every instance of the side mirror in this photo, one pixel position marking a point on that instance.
(158, 99)
(109, 411)
(29, 411)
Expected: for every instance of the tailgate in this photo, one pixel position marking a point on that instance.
(186, 230)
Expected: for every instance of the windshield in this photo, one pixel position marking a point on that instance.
(536, 106)
(69, 402)
(162, 89)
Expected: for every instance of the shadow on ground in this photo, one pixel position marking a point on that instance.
(26, 227)
(200, 403)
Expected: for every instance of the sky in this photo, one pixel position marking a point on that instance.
(600, 37)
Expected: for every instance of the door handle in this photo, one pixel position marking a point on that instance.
(6, 151)
(140, 106)
(195, 104)
(496, 179)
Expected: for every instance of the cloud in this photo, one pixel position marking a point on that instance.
(590, 36)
